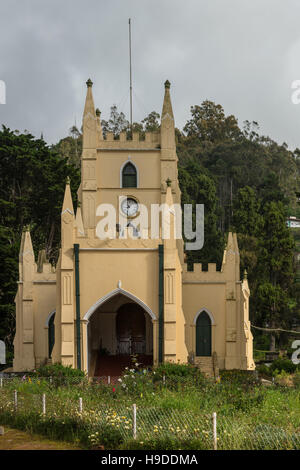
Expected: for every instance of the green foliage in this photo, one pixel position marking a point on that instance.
(107, 436)
(285, 365)
(246, 411)
(199, 188)
(170, 369)
(117, 122)
(209, 123)
(58, 370)
(151, 122)
(32, 187)
(245, 378)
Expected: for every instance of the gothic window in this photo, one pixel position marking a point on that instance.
(129, 176)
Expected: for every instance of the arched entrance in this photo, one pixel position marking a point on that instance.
(119, 326)
(203, 334)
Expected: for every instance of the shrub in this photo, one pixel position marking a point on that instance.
(283, 364)
(246, 378)
(264, 370)
(58, 370)
(296, 378)
(107, 436)
(178, 370)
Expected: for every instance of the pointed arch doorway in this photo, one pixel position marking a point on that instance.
(203, 334)
(119, 325)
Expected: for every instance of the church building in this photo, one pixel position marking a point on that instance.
(128, 294)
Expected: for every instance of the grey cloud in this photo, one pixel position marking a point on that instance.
(241, 54)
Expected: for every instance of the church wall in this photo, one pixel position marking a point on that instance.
(44, 304)
(137, 271)
(210, 296)
(109, 165)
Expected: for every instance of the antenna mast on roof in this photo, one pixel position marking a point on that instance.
(130, 72)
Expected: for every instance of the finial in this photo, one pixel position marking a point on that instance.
(245, 274)
(168, 181)
(89, 83)
(98, 112)
(68, 181)
(26, 228)
(167, 84)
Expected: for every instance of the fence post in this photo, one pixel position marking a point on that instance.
(1, 382)
(134, 421)
(164, 379)
(50, 380)
(80, 405)
(44, 404)
(16, 399)
(108, 380)
(214, 424)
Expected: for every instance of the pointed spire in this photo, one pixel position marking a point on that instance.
(68, 203)
(26, 256)
(26, 246)
(167, 121)
(167, 105)
(89, 122)
(89, 101)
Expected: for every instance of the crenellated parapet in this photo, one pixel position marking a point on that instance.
(198, 275)
(126, 141)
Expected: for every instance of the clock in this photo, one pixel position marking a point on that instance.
(130, 207)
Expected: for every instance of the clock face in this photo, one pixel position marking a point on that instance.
(129, 207)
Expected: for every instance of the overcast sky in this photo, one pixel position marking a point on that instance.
(242, 54)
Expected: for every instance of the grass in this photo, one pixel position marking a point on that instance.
(174, 413)
(14, 439)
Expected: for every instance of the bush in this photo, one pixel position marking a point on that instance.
(296, 378)
(245, 378)
(283, 364)
(58, 370)
(107, 437)
(264, 370)
(178, 370)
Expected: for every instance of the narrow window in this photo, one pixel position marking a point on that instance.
(129, 176)
(203, 335)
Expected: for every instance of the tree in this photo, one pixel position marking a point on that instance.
(70, 147)
(32, 184)
(199, 188)
(117, 122)
(275, 269)
(151, 122)
(209, 123)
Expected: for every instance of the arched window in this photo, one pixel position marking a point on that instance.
(129, 176)
(203, 335)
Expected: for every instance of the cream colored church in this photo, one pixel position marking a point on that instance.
(110, 298)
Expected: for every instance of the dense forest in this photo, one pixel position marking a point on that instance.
(246, 181)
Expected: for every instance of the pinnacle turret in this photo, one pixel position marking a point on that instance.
(167, 122)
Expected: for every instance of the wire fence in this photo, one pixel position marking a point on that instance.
(144, 423)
